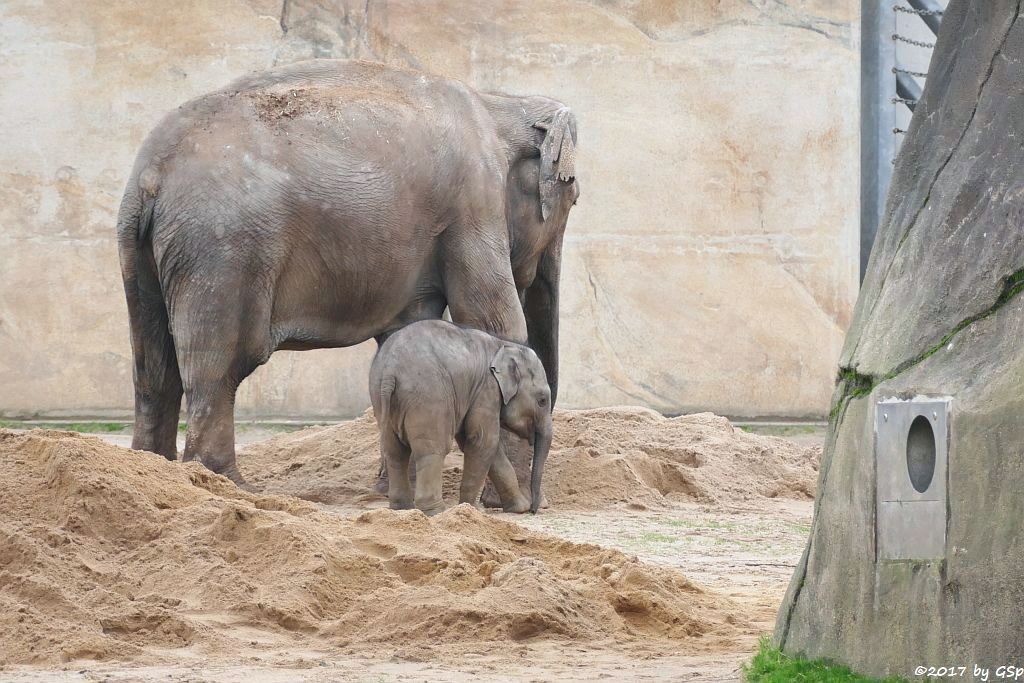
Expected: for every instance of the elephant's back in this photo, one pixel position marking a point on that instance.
(323, 101)
(341, 74)
(433, 361)
(368, 136)
(439, 343)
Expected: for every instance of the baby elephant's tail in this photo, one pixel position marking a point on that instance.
(387, 388)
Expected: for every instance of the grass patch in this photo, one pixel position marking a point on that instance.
(109, 427)
(94, 427)
(706, 524)
(689, 524)
(771, 665)
(783, 430)
(655, 537)
(84, 427)
(279, 427)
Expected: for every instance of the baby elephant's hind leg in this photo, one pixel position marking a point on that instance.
(429, 442)
(429, 467)
(396, 456)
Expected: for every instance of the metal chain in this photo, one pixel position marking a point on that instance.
(919, 12)
(918, 43)
(898, 131)
(903, 100)
(919, 74)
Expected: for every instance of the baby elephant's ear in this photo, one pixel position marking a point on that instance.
(505, 368)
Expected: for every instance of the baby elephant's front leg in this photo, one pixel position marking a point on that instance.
(503, 474)
(479, 452)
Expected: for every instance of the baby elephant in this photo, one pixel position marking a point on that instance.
(432, 381)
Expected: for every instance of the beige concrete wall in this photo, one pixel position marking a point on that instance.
(710, 264)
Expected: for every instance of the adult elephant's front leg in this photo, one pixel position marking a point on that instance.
(482, 294)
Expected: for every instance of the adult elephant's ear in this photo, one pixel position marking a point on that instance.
(557, 156)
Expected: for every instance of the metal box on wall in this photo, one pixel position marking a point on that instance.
(911, 451)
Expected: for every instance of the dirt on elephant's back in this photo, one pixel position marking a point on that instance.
(114, 554)
(600, 457)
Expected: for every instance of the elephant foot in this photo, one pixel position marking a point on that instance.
(382, 485)
(489, 497)
(519, 505)
(433, 510)
(476, 504)
(400, 504)
(232, 473)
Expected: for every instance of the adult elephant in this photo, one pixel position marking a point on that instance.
(325, 203)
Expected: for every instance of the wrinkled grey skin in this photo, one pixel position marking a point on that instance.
(432, 382)
(325, 203)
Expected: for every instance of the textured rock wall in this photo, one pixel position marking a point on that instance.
(711, 261)
(941, 314)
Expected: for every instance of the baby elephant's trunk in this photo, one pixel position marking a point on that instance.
(541, 446)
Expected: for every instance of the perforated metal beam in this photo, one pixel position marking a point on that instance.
(877, 118)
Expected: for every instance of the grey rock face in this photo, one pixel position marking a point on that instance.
(941, 314)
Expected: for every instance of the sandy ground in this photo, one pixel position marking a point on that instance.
(599, 458)
(244, 435)
(749, 555)
(740, 552)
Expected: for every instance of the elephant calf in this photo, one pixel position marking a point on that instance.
(432, 381)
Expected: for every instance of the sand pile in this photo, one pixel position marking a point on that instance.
(110, 553)
(335, 464)
(599, 458)
(635, 455)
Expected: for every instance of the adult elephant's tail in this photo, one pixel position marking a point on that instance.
(155, 368)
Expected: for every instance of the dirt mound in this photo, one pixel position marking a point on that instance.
(336, 464)
(635, 455)
(110, 553)
(599, 457)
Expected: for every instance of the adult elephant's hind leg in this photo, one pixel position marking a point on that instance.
(211, 428)
(216, 352)
(156, 417)
(155, 373)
